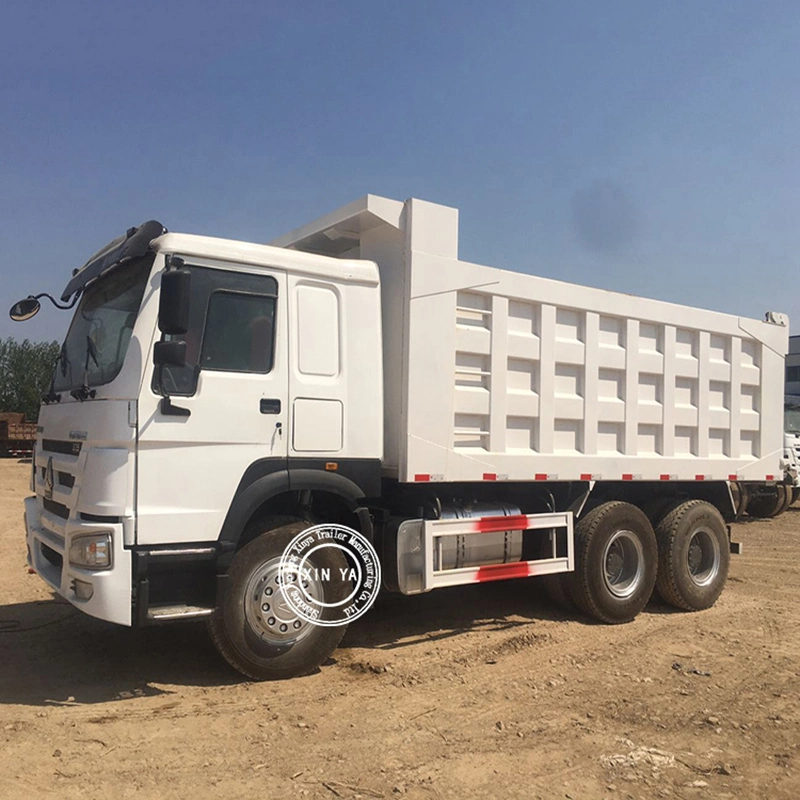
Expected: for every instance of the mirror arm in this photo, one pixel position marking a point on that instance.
(169, 410)
(54, 301)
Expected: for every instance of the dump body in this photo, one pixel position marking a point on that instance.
(500, 375)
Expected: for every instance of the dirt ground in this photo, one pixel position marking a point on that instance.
(479, 692)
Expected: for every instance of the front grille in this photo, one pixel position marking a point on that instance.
(64, 448)
(59, 509)
(55, 558)
(99, 518)
(65, 479)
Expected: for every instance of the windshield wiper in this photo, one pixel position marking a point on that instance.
(52, 396)
(83, 392)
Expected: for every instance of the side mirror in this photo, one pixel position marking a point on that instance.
(24, 309)
(173, 304)
(169, 354)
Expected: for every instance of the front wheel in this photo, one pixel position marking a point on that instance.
(615, 562)
(255, 629)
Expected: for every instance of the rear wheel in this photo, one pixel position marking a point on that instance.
(765, 506)
(788, 492)
(615, 562)
(740, 497)
(255, 629)
(693, 556)
(795, 495)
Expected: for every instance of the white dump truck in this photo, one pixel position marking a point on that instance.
(214, 398)
(791, 443)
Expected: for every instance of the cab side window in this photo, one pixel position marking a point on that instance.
(231, 327)
(239, 332)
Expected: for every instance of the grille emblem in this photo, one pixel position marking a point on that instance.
(49, 479)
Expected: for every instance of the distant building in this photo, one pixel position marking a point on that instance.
(793, 366)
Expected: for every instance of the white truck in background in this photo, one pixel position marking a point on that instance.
(214, 397)
(769, 500)
(791, 443)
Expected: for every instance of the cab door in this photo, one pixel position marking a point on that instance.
(228, 406)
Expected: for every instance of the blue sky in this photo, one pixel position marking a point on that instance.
(646, 147)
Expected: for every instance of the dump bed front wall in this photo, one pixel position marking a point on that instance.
(514, 377)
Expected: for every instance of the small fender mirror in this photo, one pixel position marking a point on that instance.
(169, 354)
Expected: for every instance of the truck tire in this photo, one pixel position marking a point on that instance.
(766, 506)
(556, 589)
(693, 556)
(740, 496)
(795, 495)
(254, 629)
(615, 562)
(788, 491)
(656, 508)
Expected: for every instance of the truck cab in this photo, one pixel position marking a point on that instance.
(144, 473)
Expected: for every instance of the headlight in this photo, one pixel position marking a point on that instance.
(91, 551)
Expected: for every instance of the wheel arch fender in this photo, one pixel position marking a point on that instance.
(249, 497)
(315, 479)
(255, 490)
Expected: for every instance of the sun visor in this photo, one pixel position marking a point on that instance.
(134, 244)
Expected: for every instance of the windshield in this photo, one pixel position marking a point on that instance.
(97, 340)
(791, 420)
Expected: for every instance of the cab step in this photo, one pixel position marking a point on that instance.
(169, 613)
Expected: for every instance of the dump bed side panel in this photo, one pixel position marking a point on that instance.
(514, 377)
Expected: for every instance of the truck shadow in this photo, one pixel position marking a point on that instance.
(52, 655)
(397, 621)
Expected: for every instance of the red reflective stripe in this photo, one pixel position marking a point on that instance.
(663, 477)
(586, 476)
(498, 572)
(540, 476)
(731, 477)
(490, 476)
(699, 477)
(517, 522)
(422, 477)
(770, 477)
(627, 477)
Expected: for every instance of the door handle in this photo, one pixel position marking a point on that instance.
(270, 406)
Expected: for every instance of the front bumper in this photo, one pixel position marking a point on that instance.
(48, 545)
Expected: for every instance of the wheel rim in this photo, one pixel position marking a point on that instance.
(266, 609)
(703, 557)
(623, 564)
